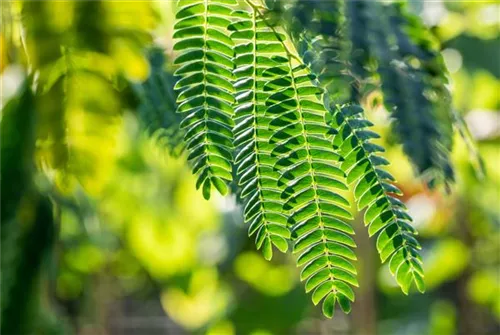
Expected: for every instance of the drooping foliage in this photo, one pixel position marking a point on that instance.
(412, 77)
(385, 214)
(382, 43)
(77, 77)
(255, 162)
(279, 86)
(205, 89)
(268, 99)
(26, 231)
(81, 69)
(157, 104)
(414, 85)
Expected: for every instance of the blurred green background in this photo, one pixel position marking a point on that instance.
(141, 252)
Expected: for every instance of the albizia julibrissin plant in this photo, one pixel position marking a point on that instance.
(269, 94)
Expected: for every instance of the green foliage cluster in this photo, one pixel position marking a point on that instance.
(75, 74)
(268, 98)
(356, 46)
(27, 232)
(272, 105)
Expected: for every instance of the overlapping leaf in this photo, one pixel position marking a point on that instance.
(206, 89)
(256, 48)
(414, 85)
(385, 215)
(388, 40)
(310, 170)
(354, 150)
(290, 175)
(298, 142)
(312, 180)
(319, 30)
(157, 105)
(358, 15)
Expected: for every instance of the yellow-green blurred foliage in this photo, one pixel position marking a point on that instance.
(129, 211)
(268, 278)
(79, 65)
(177, 238)
(163, 227)
(152, 204)
(206, 299)
(477, 18)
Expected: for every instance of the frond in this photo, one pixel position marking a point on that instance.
(264, 91)
(412, 72)
(311, 181)
(156, 109)
(385, 215)
(206, 89)
(413, 79)
(256, 48)
(373, 187)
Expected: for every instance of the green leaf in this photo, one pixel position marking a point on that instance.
(373, 188)
(328, 307)
(205, 89)
(259, 182)
(206, 189)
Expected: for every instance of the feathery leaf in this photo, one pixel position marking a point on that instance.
(256, 46)
(385, 215)
(158, 104)
(413, 78)
(206, 89)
